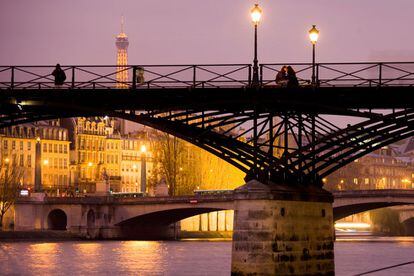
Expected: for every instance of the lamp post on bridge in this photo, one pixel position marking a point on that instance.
(256, 14)
(313, 36)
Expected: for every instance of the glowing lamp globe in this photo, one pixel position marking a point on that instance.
(256, 14)
(313, 34)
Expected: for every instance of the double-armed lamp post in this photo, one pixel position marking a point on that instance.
(256, 14)
(313, 36)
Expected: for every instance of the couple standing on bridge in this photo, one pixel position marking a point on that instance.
(286, 77)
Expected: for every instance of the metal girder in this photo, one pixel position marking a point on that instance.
(297, 146)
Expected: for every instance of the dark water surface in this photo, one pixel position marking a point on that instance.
(352, 255)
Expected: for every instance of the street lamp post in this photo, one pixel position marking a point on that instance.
(313, 36)
(143, 169)
(256, 14)
(38, 166)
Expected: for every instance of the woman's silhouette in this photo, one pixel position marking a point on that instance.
(292, 79)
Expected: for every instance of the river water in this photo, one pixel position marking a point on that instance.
(191, 257)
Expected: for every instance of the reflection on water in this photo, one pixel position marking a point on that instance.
(46, 256)
(353, 255)
(363, 254)
(115, 257)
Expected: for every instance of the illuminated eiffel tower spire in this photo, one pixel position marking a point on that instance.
(122, 57)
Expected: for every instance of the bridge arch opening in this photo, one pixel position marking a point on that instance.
(57, 220)
(409, 226)
(167, 217)
(160, 224)
(90, 222)
(344, 211)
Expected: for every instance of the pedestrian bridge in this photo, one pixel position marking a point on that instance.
(155, 217)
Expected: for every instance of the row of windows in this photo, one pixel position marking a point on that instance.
(131, 145)
(130, 179)
(91, 173)
(368, 181)
(89, 144)
(133, 168)
(111, 145)
(20, 160)
(55, 179)
(13, 145)
(91, 127)
(54, 134)
(55, 148)
(56, 163)
(97, 158)
(132, 157)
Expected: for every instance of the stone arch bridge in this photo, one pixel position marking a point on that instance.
(155, 217)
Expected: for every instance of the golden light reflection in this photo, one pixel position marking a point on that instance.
(352, 225)
(142, 255)
(44, 255)
(88, 253)
(88, 248)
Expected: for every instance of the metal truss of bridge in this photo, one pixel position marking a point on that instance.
(273, 134)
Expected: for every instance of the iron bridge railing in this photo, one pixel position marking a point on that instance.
(364, 74)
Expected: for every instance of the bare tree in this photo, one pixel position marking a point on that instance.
(172, 159)
(10, 177)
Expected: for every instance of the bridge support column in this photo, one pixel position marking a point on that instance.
(280, 230)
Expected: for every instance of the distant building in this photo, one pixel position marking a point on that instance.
(48, 139)
(95, 147)
(131, 161)
(385, 168)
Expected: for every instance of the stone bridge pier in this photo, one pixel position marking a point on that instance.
(281, 230)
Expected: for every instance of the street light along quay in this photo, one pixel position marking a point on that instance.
(256, 14)
(313, 36)
(143, 169)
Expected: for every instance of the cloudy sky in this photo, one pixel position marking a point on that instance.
(208, 31)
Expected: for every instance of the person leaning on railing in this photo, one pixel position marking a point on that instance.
(140, 76)
(282, 77)
(59, 75)
(292, 79)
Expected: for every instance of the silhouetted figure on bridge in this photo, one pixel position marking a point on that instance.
(59, 75)
(140, 76)
(282, 77)
(292, 79)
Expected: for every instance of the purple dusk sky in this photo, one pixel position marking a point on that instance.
(209, 31)
(80, 32)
